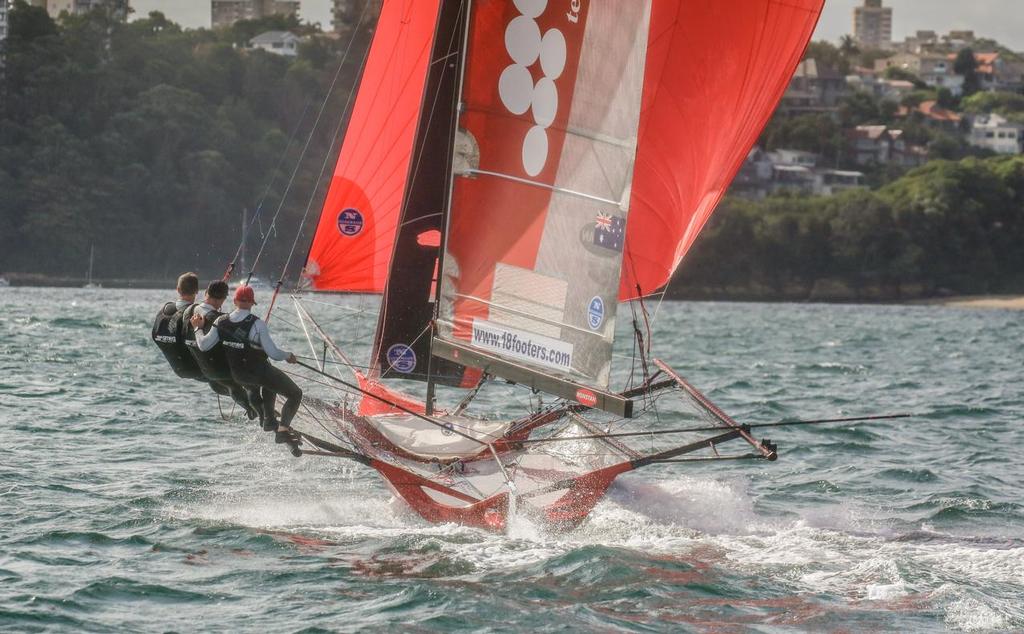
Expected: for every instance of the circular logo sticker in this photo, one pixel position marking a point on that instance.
(350, 222)
(595, 313)
(402, 358)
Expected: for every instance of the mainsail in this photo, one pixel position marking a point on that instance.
(551, 107)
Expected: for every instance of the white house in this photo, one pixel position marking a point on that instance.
(277, 42)
(994, 132)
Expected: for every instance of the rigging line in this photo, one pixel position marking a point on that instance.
(329, 432)
(663, 432)
(305, 147)
(259, 207)
(397, 406)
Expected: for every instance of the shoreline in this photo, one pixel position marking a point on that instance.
(987, 301)
(1003, 302)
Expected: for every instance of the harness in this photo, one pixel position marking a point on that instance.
(246, 360)
(168, 336)
(213, 362)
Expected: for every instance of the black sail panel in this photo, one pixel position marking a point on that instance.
(402, 345)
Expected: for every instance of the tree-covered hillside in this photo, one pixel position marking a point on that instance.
(149, 141)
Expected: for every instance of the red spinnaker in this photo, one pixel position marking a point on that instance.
(351, 250)
(715, 71)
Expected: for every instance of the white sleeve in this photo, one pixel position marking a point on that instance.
(207, 341)
(263, 338)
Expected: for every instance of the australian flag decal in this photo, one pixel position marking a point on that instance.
(609, 232)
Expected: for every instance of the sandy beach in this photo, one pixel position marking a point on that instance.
(1009, 302)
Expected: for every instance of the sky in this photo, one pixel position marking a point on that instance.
(1002, 20)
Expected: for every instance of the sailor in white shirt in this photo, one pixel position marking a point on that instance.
(248, 344)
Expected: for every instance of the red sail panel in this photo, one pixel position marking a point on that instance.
(715, 72)
(354, 239)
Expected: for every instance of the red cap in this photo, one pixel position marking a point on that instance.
(245, 294)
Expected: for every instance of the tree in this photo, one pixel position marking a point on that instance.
(967, 65)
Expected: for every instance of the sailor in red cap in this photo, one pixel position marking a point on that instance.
(248, 345)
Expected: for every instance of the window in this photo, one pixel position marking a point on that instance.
(990, 135)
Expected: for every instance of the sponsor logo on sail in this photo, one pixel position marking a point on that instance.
(586, 397)
(527, 47)
(518, 344)
(595, 313)
(350, 222)
(402, 358)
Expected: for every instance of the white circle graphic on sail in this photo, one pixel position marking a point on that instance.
(552, 54)
(523, 41)
(535, 150)
(531, 8)
(515, 87)
(545, 102)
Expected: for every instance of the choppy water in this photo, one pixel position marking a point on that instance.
(127, 505)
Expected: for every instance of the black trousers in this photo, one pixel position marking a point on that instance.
(267, 383)
(237, 393)
(277, 382)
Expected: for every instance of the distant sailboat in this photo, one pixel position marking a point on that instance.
(92, 256)
(256, 282)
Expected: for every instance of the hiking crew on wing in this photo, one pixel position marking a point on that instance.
(168, 329)
(214, 363)
(247, 345)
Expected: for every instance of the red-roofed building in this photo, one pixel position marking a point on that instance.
(884, 146)
(998, 73)
(934, 114)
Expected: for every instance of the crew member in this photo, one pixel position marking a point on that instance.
(247, 345)
(214, 363)
(168, 329)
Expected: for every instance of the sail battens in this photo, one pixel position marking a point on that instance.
(532, 183)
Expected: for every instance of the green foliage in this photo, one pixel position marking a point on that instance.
(149, 141)
(965, 64)
(947, 226)
(826, 53)
(1008, 104)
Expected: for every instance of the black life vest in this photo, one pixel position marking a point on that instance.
(213, 362)
(168, 336)
(247, 362)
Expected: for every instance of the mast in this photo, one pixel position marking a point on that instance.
(402, 347)
(448, 202)
(245, 239)
(92, 253)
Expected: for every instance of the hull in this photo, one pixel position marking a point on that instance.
(446, 479)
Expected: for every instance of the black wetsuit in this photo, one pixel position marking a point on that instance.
(250, 367)
(214, 365)
(168, 334)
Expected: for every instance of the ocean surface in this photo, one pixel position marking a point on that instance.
(128, 504)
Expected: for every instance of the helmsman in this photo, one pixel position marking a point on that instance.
(214, 363)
